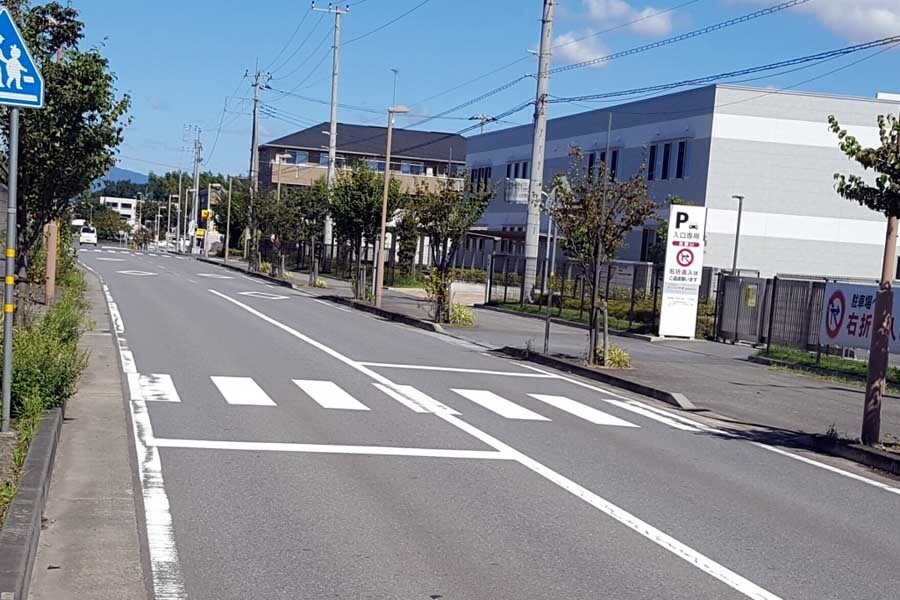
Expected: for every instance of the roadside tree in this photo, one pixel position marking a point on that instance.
(444, 215)
(595, 212)
(72, 142)
(881, 195)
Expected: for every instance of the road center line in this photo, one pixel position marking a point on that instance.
(693, 557)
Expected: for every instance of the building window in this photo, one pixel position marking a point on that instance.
(323, 159)
(509, 170)
(680, 160)
(301, 157)
(516, 171)
(615, 164)
(125, 206)
(525, 170)
(592, 162)
(667, 156)
(651, 163)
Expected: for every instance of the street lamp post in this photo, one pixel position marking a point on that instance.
(379, 264)
(737, 233)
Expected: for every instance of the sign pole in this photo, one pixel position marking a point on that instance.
(9, 302)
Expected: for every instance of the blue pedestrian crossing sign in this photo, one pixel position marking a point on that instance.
(21, 83)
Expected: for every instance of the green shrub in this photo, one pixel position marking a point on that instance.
(265, 268)
(469, 275)
(618, 358)
(321, 283)
(462, 315)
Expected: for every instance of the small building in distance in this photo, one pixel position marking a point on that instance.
(706, 146)
(127, 207)
(301, 158)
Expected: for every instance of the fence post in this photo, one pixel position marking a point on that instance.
(490, 280)
(581, 302)
(633, 284)
(655, 287)
(771, 314)
(804, 333)
(505, 278)
(522, 284)
(737, 311)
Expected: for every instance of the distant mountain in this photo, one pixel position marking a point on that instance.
(117, 174)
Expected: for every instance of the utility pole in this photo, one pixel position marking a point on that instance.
(881, 332)
(195, 215)
(259, 79)
(228, 221)
(180, 212)
(337, 11)
(533, 223)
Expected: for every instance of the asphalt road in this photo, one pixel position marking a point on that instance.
(289, 448)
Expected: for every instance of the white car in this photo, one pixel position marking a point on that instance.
(88, 235)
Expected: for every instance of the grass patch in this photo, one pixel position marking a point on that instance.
(47, 364)
(832, 368)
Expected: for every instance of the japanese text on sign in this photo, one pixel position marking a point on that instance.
(848, 317)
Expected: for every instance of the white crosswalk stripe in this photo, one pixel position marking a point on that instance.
(598, 417)
(500, 405)
(154, 387)
(328, 395)
(242, 391)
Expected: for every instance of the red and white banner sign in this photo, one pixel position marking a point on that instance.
(848, 316)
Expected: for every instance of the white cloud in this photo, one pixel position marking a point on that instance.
(569, 48)
(857, 20)
(648, 20)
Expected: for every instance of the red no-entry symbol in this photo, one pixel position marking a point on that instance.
(834, 314)
(685, 257)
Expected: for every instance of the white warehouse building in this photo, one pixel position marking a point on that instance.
(707, 145)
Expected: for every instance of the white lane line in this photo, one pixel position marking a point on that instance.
(456, 370)
(328, 395)
(665, 541)
(500, 405)
(192, 281)
(242, 391)
(341, 308)
(263, 295)
(179, 258)
(684, 420)
(253, 279)
(165, 570)
(329, 449)
(827, 467)
(110, 259)
(214, 276)
(641, 410)
(597, 417)
(158, 388)
(413, 406)
(152, 254)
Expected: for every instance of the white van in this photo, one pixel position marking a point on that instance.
(88, 235)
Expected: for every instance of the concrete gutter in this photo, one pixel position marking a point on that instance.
(22, 527)
(386, 314)
(605, 376)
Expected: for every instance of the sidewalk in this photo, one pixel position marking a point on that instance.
(89, 548)
(715, 377)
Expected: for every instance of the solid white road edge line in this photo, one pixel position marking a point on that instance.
(705, 564)
(330, 449)
(168, 583)
(635, 405)
(322, 302)
(457, 370)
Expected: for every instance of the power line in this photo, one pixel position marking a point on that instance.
(298, 48)
(388, 24)
(684, 36)
(628, 24)
(821, 56)
(289, 40)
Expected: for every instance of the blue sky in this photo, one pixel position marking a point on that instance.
(180, 60)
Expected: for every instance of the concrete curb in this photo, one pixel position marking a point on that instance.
(870, 457)
(272, 280)
(22, 527)
(575, 324)
(673, 398)
(387, 314)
